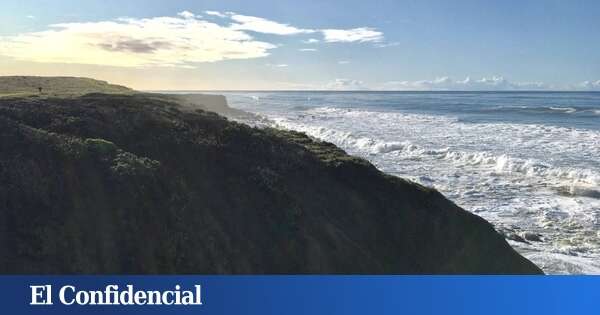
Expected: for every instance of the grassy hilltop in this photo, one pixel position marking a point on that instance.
(55, 86)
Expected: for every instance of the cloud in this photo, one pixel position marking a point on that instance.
(280, 65)
(180, 41)
(384, 45)
(346, 84)
(361, 34)
(186, 14)
(128, 42)
(266, 26)
(446, 83)
(311, 41)
(261, 25)
(215, 13)
(134, 46)
(589, 85)
(343, 62)
(307, 49)
(32, 17)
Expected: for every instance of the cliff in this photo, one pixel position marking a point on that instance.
(140, 184)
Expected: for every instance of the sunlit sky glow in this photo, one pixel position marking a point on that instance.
(342, 45)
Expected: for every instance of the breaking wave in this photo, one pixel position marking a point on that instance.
(568, 110)
(499, 164)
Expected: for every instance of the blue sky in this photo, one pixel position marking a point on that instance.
(400, 45)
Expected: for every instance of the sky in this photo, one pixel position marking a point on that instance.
(311, 45)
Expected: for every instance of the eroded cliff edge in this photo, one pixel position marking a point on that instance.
(139, 184)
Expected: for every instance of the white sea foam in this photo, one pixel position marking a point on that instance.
(563, 263)
(568, 110)
(498, 163)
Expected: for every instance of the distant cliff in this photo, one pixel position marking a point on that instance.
(141, 184)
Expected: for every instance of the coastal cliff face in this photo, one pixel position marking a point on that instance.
(138, 184)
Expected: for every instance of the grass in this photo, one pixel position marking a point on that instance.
(15, 94)
(19, 86)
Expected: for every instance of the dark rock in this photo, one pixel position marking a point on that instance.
(533, 237)
(515, 237)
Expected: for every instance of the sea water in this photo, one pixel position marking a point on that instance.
(528, 162)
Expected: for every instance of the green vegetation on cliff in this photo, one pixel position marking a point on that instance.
(138, 184)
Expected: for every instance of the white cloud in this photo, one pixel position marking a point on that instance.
(446, 83)
(280, 65)
(311, 41)
(261, 25)
(32, 17)
(343, 62)
(186, 14)
(384, 45)
(589, 85)
(180, 41)
(159, 41)
(346, 84)
(361, 34)
(215, 13)
(308, 49)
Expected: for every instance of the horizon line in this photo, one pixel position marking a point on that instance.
(388, 91)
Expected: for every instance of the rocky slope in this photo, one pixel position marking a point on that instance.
(139, 184)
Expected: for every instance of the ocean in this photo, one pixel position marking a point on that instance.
(528, 162)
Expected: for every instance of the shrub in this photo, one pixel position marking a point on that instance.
(101, 146)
